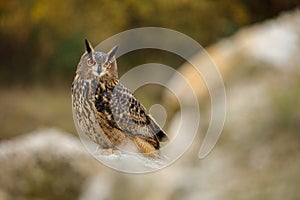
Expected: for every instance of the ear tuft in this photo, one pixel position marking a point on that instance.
(88, 46)
(112, 52)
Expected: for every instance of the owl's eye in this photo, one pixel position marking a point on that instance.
(91, 62)
(107, 65)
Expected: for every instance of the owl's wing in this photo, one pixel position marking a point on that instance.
(131, 116)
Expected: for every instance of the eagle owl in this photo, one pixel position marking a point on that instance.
(106, 111)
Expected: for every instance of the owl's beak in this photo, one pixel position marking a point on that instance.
(99, 69)
(102, 70)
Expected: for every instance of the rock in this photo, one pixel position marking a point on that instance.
(46, 164)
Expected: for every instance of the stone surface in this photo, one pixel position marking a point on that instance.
(46, 164)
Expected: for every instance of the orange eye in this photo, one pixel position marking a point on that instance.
(107, 65)
(91, 62)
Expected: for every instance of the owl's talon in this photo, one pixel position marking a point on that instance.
(109, 151)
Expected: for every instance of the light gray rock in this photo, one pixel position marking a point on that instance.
(46, 164)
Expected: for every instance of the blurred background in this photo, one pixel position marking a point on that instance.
(256, 46)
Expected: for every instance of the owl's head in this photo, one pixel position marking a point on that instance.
(98, 64)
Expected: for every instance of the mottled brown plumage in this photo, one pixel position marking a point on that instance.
(106, 111)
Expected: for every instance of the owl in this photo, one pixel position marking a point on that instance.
(108, 112)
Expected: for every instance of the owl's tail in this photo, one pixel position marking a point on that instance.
(162, 136)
